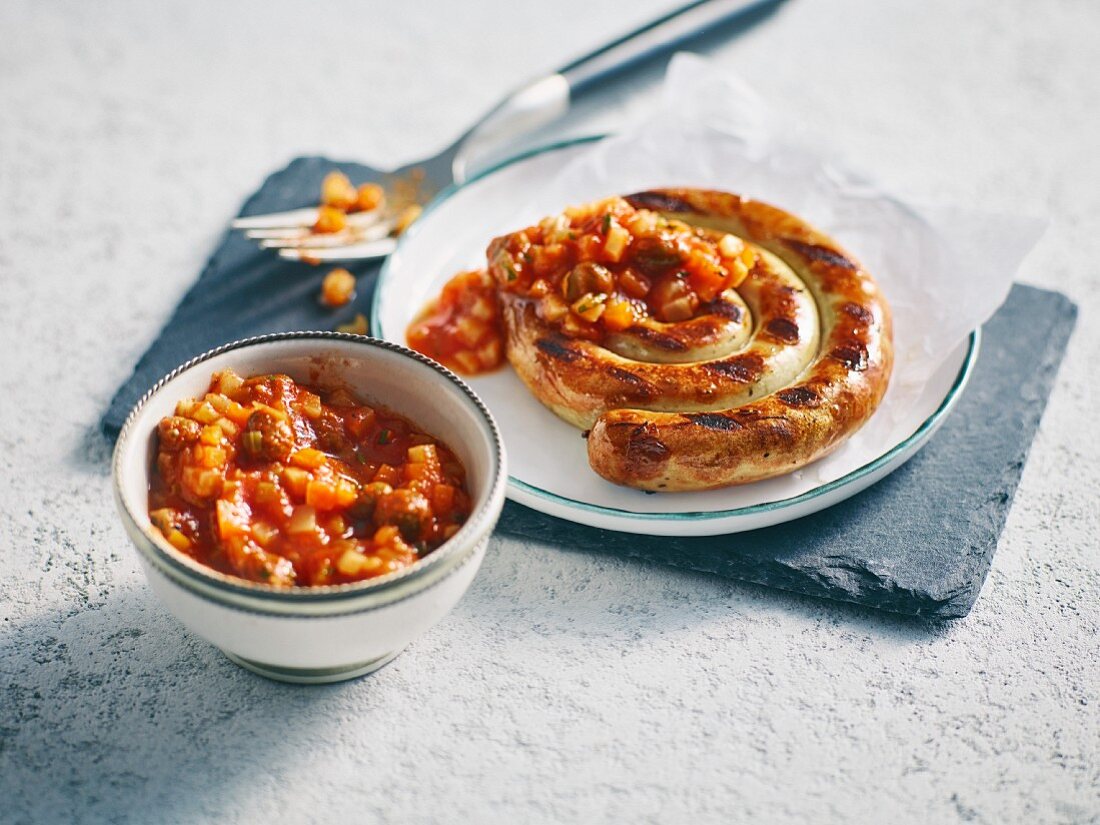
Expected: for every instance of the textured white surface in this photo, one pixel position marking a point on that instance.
(564, 686)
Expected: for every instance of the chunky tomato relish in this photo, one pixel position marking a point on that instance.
(280, 483)
(592, 270)
(461, 328)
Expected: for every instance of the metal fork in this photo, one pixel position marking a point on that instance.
(371, 234)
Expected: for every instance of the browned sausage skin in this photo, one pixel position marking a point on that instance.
(813, 370)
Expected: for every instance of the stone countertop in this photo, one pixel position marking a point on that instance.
(565, 686)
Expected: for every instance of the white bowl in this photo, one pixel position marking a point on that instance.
(319, 634)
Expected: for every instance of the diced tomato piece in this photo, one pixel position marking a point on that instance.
(618, 315)
(443, 498)
(287, 517)
(321, 494)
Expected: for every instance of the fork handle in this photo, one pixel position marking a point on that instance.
(545, 99)
(659, 37)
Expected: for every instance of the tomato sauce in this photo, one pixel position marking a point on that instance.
(280, 483)
(462, 328)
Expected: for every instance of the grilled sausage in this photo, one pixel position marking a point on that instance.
(722, 410)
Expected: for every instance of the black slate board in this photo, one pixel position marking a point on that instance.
(920, 542)
(244, 290)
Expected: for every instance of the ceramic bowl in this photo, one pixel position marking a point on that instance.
(319, 634)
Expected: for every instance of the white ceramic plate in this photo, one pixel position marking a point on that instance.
(548, 458)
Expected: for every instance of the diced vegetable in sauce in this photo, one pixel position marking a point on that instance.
(275, 482)
(590, 271)
(462, 328)
(337, 288)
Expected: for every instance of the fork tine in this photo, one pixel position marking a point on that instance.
(317, 241)
(277, 234)
(310, 241)
(370, 224)
(363, 220)
(301, 218)
(278, 220)
(352, 252)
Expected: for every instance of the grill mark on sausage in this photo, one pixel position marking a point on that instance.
(799, 397)
(853, 356)
(557, 350)
(782, 329)
(645, 452)
(860, 313)
(660, 201)
(723, 309)
(822, 254)
(745, 368)
(713, 421)
(628, 377)
(658, 339)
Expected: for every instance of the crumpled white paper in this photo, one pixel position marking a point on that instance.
(944, 271)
